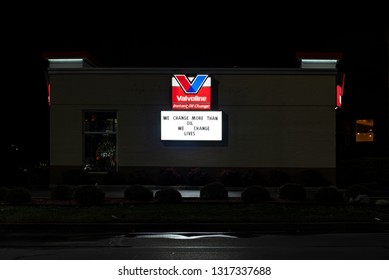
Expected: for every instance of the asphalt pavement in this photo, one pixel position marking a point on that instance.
(194, 246)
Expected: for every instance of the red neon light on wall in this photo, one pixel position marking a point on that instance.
(338, 96)
(340, 92)
(48, 94)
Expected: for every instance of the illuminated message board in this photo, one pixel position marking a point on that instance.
(191, 125)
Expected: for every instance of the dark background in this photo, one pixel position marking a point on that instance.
(25, 110)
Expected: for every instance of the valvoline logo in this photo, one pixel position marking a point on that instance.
(191, 92)
(191, 85)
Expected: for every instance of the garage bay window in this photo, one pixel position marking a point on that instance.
(100, 129)
(364, 130)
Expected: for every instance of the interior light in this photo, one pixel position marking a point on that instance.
(315, 61)
(65, 60)
(318, 63)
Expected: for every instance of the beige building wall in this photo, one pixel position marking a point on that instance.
(277, 119)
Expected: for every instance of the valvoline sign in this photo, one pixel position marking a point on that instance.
(191, 92)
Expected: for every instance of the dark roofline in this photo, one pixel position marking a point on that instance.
(188, 71)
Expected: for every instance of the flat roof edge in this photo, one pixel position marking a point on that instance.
(170, 71)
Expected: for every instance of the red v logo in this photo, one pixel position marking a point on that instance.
(188, 86)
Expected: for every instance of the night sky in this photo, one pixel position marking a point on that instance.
(25, 111)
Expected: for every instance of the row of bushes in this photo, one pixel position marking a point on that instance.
(85, 195)
(349, 171)
(94, 195)
(199, 177)
(24, 177)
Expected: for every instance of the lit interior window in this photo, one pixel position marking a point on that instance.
(364, 131)
(100, 141)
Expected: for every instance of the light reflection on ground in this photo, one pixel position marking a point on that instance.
(171, 235)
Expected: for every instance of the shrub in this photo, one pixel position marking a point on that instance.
(292, 191)
(168, 195)
(255, 194)
(197, 177)
(361, 199)
(62, 192)
(361, 170)
(114, 178)
(253, 177)
(230, 178)
(329, 194)
(76, 177)
(169, 177)
(3, 193)
(38, 176)
(138, 192)
(214, 191)
(18, 195)
(278, 178)
(313, 178)
(139, 176)
(354, 190)
(13, 176)
(89, 195)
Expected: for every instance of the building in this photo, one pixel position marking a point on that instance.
(125, 119)
(363, 122)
